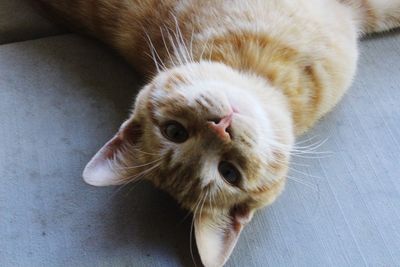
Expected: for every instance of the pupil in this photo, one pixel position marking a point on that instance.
(178, 133)
(228, 173)
(175, 132)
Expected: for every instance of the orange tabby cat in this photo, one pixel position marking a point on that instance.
(232, 85)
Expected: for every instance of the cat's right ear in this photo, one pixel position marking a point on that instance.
(106, 167)
(217, 234)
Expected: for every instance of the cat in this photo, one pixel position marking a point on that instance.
(231, 84)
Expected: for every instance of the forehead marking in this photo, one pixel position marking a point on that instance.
(174, 80)
(207, 100)
(201, 105)
(245, 142)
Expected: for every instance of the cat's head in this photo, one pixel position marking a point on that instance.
(216, 139)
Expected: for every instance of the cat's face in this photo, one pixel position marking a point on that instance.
(218, 141)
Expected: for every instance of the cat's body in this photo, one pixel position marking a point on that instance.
(258, 36)
(242, 77)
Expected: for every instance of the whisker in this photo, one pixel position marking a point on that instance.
(135, 180)
(202, 206)
(210, 200)
(180, 41)
(139, 166)
(312, 157)
(311, 186)
(296, 148)
(192, 226)
(211, 51)
(155, 54)
(191, 44)
(174, 47)
(144, 152)
(204, 50)
(313, 145)
(152, 56)
(166, 46)
(290, 163)
(147, 171)
(306, 174)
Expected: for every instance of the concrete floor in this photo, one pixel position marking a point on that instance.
(62, 97)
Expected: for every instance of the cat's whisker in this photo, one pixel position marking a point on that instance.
(313, 146)
(303, 156)
(297, 180)
(307, 140)
(174, 45)
(180, 41)
(192, 226)
(139, 166)
(145, 172)
(119, 189)
(304, 173)
(166, 46)
(276, 160)
(156, 57)
(211, 51)
(322, 154)
(181, 50)
(191, 44)
(211, 196)
(191, 211)
(144, 152)
(204, 50)
(202, 205)
(174, 48)
(305, 152)
(152, 56)
(296, 164)
(310, 152)
(137, 178)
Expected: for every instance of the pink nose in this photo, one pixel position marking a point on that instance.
(221, 127)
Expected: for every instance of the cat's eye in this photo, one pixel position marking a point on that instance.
(175, 132)
(229, 172)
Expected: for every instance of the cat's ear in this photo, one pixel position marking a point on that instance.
(105, 168)
(216, 235)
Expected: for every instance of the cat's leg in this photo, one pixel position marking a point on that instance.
(375, 15)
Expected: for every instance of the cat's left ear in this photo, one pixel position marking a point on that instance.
(216, 235)
(106, 167)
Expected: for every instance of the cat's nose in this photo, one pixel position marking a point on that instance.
(221, 127)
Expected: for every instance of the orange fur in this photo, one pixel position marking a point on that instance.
(275, 67)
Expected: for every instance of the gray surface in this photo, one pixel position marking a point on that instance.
(62, 97)
(19, 21)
